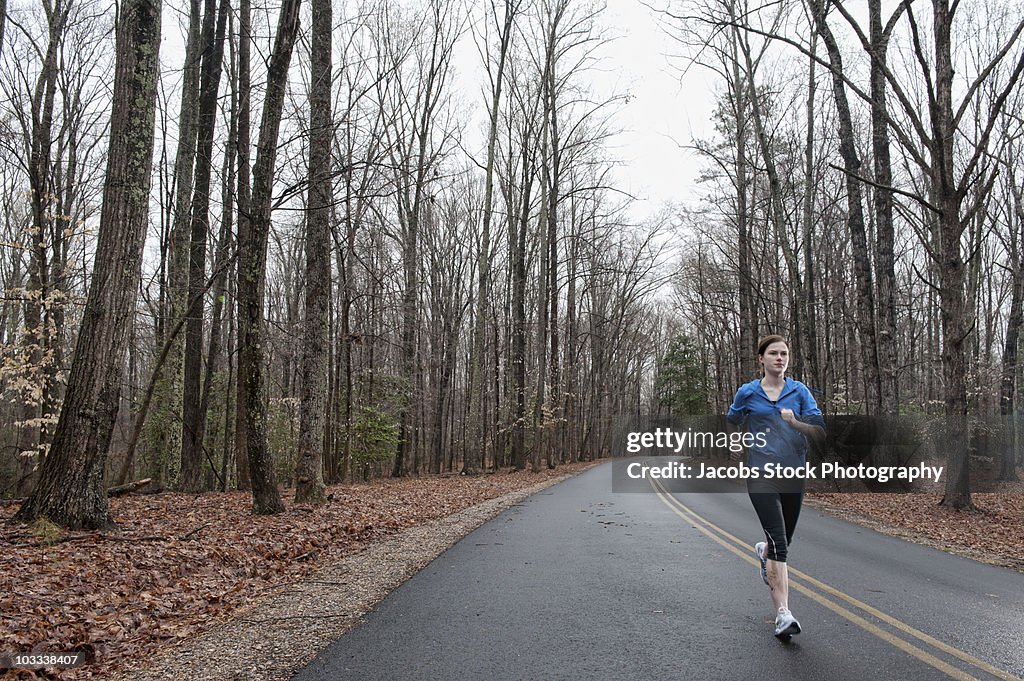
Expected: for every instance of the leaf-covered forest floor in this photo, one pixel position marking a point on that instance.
(993, 532)
(179, 564)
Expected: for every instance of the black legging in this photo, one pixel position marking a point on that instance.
(778, 512)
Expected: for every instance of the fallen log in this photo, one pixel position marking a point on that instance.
(121, 490)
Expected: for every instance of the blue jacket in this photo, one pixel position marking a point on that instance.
(783, 444)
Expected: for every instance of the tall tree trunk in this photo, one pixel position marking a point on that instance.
(253, 232)
(165, 428)
(220, 284)
(542, 298)
(244, 199)
(347, 267)
(193, 416)
(570, 398)
(810, 350)
(777, 210)
(70, 490)
(747, 282)
(410, 322)
(552, 241)
(37, 341)
(884, 260)
(310, 479)
(517, 255)
(547, 109)
(230, 450)
(855, 213)
(952, 303)
(477, 380)
(330, 462)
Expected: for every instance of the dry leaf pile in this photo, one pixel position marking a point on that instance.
(178, 562)
(993, 532)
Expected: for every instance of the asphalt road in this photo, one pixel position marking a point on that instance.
(578, 582)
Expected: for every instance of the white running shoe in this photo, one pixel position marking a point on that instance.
(785, 624)
(759, 549)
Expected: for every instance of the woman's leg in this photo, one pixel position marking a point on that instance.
(778, 583)
(791, 503)
(770, 511)
(789, 507)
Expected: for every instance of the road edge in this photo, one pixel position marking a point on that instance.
(282, 634)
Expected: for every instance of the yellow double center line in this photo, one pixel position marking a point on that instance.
(740, 548)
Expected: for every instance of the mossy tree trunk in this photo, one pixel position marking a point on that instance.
(310, 478)
(71, 490)
(254, 230)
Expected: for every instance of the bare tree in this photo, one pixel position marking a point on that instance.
(855, 212)
(193, 423)
(244, 201)
(520, 180)
(70, 490)
(38, 341)
(252, 268)
(949, 184)
(309, 480)
(165, 426)
(477, 379)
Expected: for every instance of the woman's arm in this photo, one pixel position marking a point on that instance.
(812, 430)
(738, 409)
(810, 421)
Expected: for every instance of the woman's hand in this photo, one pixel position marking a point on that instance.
(807, 429)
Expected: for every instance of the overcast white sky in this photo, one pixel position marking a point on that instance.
(663, 112)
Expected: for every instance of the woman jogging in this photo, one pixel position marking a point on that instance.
(784, 412)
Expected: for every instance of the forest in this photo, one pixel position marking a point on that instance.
(322, 244)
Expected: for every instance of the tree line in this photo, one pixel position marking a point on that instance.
(864, 198)
(342, 267)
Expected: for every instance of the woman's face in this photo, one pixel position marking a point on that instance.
(775, 359)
